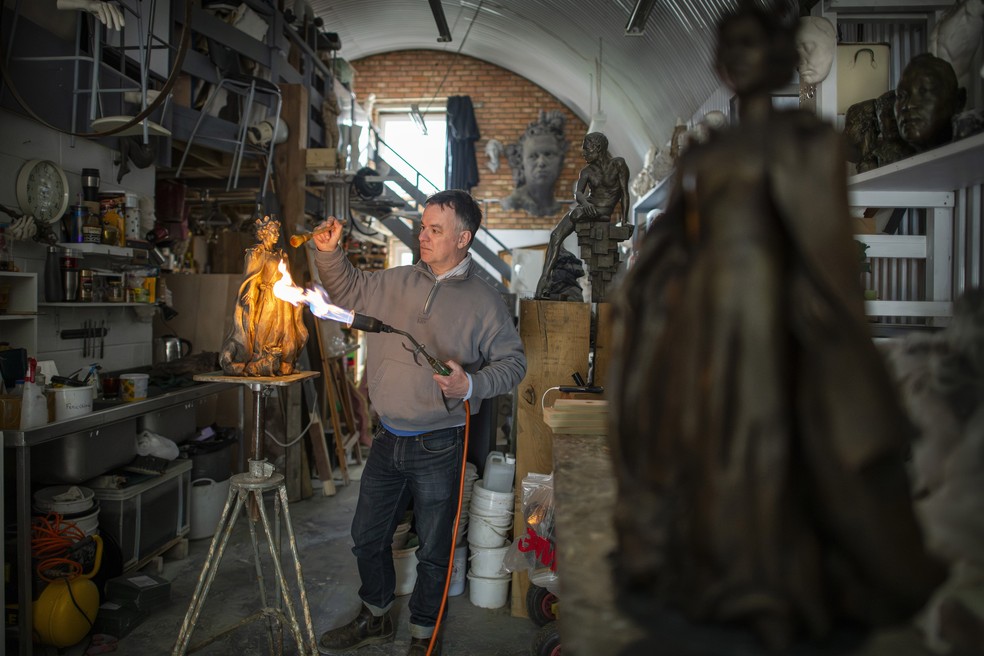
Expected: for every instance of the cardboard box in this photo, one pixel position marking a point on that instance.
(197, 297)
(320, 158)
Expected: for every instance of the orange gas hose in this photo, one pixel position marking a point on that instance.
(454, 534)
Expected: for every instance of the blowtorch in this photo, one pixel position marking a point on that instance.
(374, 325)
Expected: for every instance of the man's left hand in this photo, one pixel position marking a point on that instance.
(454, 385)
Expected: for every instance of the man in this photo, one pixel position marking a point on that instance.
(601, 186)
(417, 451)
(926, 98)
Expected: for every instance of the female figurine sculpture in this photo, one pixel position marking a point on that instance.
(758, 443)
(267, 333)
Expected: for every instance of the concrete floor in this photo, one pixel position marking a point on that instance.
(321, 525)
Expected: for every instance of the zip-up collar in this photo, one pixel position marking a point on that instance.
(459, 272)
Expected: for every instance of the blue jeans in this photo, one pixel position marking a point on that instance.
(425, 468)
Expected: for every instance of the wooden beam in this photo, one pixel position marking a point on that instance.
(556, 336)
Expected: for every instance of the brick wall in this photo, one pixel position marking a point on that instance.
(504, 103)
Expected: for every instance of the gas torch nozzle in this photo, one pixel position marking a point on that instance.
(374, 325)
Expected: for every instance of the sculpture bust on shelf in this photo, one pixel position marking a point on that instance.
(926, 99)
(890, 147)
(267, 333)
(540, 154)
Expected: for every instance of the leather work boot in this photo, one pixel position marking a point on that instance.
(365, 629)
(418, 647)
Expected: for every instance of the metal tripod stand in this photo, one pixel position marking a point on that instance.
(250, 487)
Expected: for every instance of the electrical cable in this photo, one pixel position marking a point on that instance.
(454, 533)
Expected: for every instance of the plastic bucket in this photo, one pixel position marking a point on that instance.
(405, 563)
(485, 534)
(133, 387)
(208, 498)
(458, 567)
(484, 500)
(400, 536)
(487, 562)
(488, 593)
(69, 402)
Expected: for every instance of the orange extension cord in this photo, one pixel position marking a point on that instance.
(454, 534)
(51, 538)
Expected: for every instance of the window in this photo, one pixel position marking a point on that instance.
(425, 153)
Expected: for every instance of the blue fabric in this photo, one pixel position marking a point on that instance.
(427, 469)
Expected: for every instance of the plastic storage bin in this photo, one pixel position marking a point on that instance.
(148, 515)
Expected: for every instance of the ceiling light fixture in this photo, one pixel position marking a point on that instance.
(637, 19)
(442, 22)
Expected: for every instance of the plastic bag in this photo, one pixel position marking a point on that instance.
(535, 549)
(152, 444)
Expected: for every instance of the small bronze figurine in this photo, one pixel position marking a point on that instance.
(602, 186)
(267, 333)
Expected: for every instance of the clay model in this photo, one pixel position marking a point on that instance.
(540, 154)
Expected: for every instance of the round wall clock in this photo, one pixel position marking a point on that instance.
(42, 190)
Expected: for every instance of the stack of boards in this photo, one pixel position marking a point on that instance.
(577, 416)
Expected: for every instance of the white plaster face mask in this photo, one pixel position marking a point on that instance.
(816, 42)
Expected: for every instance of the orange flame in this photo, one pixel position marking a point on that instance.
(315, 297)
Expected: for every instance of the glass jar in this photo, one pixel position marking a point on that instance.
(114, 293)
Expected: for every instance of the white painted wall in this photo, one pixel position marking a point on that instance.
(128, 343)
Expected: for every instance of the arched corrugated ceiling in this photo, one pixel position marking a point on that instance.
(647, 81)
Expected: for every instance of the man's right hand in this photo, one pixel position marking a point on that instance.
(327, 234)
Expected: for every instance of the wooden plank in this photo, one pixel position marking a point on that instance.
(603, 344)
(290, 170)
(293, 472)
(316, 436)
(556, 336)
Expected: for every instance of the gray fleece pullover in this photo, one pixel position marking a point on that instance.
(460, 318)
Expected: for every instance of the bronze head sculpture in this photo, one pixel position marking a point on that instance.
(926, 99)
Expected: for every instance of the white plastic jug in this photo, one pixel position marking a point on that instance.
(500, 469)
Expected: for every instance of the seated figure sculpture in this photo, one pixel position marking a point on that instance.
(759, 445)
(602, 186)
(267, 333)
(926, 99)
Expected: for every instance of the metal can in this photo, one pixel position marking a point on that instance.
(85, 285)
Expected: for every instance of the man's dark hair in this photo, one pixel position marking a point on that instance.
(465, 208)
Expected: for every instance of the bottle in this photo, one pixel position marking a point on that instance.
(500, 469)
(34, 404)
(92, 229)
(53, 291)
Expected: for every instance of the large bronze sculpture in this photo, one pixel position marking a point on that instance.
(267, 333)
(601, 188)
(758, 443)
